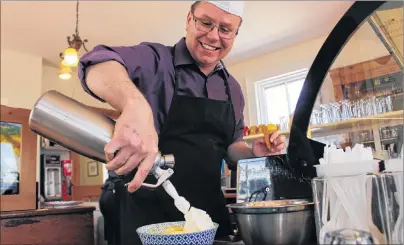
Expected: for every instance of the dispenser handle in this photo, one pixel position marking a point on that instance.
(161, 175)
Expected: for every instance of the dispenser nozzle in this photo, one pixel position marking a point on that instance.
(168, 161)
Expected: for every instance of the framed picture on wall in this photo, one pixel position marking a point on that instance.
(92, 168)
(18, 160)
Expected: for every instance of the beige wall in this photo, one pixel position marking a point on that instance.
(21, 79)
(364, 45)
(71, 87)
(87, 180)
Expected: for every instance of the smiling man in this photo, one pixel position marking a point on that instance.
(205, 46)
(179, 100)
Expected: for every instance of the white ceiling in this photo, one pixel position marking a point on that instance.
(41, 27)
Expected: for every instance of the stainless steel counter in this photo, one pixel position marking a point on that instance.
(233, 241)
(228, 243)
(237, 241)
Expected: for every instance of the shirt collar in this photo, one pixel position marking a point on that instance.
(183, 57)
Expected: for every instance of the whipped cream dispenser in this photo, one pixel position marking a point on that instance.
(78, 128)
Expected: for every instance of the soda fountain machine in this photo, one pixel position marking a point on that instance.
(51, 177)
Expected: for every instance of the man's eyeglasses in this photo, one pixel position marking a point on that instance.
(206, 26)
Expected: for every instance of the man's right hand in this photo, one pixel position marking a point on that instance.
(134, 144)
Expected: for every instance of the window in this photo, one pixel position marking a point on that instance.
(277, 96)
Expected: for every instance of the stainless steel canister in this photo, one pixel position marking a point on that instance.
(71, 124)
(81, 129)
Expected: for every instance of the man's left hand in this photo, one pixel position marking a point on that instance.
(260, 149)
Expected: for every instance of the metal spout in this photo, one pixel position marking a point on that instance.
(168, 161)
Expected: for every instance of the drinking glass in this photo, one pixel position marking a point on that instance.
(335, 111)
(325, 113)
(348, 236)
(346, 109)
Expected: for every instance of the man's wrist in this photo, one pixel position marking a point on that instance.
(240, 150)
(132, 96)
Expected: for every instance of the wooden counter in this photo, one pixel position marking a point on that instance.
(73, 226)
(230, 195)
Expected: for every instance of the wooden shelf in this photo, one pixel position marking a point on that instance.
(54, 149)
(382, 120)
(230, 195)
(372, 141)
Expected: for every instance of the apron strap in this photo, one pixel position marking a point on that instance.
(112, 223)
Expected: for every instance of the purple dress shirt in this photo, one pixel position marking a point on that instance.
(151, 66)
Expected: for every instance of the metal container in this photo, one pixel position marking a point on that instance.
(275, 222)
(72, 124)
(83, 130)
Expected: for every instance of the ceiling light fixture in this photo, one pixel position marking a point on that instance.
(70, 56)
(65, 72)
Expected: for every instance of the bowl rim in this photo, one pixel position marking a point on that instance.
(138, 230)
(291, 205)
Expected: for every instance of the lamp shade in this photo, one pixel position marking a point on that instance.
(65, 76)
(70, 57)
(65, 72)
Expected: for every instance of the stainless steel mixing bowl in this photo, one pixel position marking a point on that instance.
(275, 222)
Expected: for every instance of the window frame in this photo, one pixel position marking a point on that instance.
(283, 79)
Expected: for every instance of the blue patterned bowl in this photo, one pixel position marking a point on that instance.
(151, 235)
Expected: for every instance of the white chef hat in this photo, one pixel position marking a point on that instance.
(232, 7)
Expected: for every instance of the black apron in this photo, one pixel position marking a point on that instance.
(197, 132)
